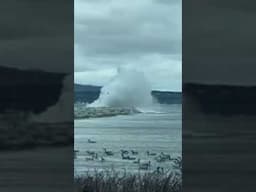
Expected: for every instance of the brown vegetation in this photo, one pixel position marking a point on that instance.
(113, 181)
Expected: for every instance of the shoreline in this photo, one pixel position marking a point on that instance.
(83, 112)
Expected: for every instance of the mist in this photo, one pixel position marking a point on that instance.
(129, 88)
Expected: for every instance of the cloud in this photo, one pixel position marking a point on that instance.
(140, 34)
(166, 75)
(95, 77)
(37, 34)
(219, 42)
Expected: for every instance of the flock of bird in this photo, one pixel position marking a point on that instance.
(131, 156)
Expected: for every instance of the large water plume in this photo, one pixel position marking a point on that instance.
(129, 88)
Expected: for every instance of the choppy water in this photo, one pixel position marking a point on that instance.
(157, 131)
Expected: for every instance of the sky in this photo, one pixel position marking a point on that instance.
(219, 42)
(218, 38)
(37, 34)
(144, 35)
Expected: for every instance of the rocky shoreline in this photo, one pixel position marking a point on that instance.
(83, 112)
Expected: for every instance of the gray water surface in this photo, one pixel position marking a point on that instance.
(157, 132)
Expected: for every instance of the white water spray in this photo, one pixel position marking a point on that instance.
(129, 88)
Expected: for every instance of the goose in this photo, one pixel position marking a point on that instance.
(90, 152)
(131, 158)
(134, 152)
(124, 151)
(177, 165)
(91, 141)
(178, 162)
(124, 157)
(128, 157)
(102, 159)
(150, 154)
(168, 157)
(160, 159)
(137, 162)
(159, 170)
(165, 156)
(89, 158)
(145, 166)
(109, 153)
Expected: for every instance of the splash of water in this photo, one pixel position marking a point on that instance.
(128, 89)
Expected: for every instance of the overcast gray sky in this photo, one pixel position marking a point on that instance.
(37, 34)
(144, 35)
(219, 42)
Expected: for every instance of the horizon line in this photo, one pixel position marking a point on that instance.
(163, 90)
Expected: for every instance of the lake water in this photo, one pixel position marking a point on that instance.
(155, 131)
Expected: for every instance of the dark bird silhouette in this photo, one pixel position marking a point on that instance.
(127, 157)
(91, 141)
(109, 153)
(137, 161)
(92, 153)
(134, 152)
(151, 154)
(145, 166)
(124, 151)
(102, 159)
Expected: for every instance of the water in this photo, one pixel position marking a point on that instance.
(157, 130)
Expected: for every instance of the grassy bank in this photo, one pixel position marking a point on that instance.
(112, 181)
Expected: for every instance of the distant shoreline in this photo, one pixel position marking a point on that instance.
(84, 112)
(89, 93)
